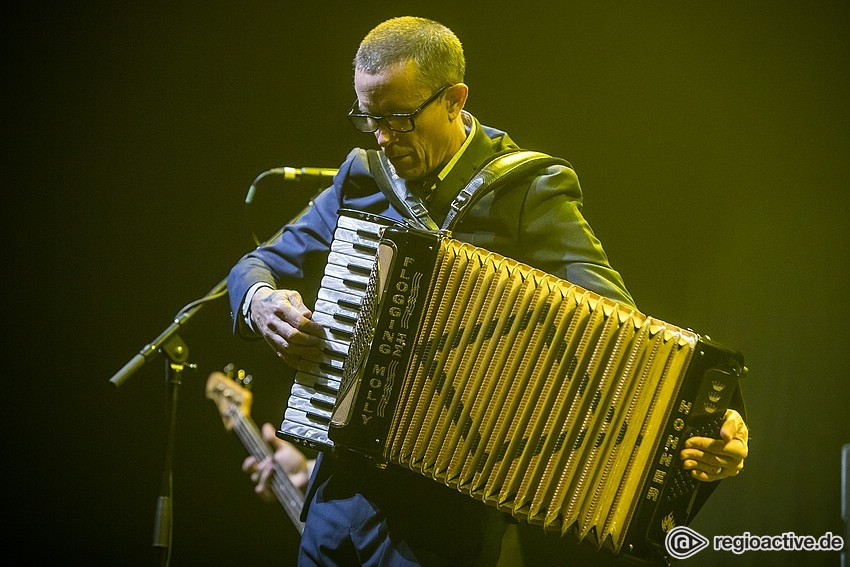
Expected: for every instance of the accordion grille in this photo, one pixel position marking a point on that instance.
(534, 395)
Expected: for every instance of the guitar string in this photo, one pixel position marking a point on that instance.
(247, 431)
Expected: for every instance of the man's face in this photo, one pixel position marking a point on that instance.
(432, 142)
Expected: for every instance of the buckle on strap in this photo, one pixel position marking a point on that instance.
(466, 193)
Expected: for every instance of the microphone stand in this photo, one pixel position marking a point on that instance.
(176, 351)
(162, 521)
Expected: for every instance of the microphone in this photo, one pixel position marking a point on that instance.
(292, 174)
(299, 174)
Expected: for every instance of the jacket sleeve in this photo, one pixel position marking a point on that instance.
(297, 258)
(284, 262)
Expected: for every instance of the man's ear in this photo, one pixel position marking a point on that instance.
(455, 97)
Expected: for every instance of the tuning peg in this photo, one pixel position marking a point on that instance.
(243, 379)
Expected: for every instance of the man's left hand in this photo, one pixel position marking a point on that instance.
(714, 459)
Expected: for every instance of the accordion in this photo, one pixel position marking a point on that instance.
(528, 393)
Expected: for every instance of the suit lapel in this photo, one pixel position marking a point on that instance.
(480, 148)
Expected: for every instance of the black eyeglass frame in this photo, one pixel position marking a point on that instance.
(353, 116)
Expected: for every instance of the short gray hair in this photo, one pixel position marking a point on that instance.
(434, 49)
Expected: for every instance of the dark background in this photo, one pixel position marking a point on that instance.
(711, 140)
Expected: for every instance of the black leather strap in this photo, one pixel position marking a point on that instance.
(396, 191)
(500, 170)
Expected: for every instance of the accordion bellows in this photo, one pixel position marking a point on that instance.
(526, 392)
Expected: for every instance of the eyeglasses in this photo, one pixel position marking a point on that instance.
(400, 122)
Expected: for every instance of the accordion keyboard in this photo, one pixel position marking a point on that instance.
(316, 382)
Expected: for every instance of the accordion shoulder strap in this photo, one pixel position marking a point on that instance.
(501, 169)
(504, 167)
(396, 191)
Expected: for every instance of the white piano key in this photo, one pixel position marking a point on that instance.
(305, 405)
(342, 285)
(306, 434)
(343, 273)
(324, 383)
(360, 251)
(334, 326)
(313, 394)
(357, 264)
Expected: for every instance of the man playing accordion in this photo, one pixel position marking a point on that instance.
(408, 79)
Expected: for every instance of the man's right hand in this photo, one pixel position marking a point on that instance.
(287, 456)
(286, 324)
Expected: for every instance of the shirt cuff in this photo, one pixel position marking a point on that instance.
(246, 304)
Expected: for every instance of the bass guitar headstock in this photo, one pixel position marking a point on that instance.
(230, 391)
